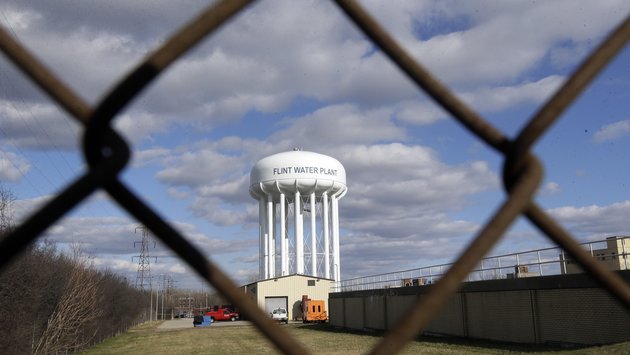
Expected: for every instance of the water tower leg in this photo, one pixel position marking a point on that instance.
(299, 235)
(270, 244)
(335, 233)
(313, 236)
(326, 236)
(262, 250)
(283, 240)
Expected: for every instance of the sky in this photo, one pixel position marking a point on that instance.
(287, 74)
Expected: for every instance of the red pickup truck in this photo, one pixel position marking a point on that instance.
(222, 314)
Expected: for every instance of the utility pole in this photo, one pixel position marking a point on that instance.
(168, 290)
(163, 295)
(164, 291)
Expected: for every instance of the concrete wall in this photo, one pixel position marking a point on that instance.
(549, 309)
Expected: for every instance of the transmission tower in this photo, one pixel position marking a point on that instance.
(143, 276)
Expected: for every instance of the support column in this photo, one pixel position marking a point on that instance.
(326, 235)
(270, 240)
(286, 238)
(284, 257)
(262, 249)
(335, 235)
(313, 235)
(299, 235)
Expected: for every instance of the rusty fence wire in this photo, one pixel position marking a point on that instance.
(107, 155)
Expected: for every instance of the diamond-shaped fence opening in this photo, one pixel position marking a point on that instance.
(107, 155)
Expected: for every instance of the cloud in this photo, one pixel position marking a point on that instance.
(341, 124)
(594, 219)
(148, 156)
(222, 212)
(497, 44)
(419, 112)
(612, 132)
(12, 166)
(138, 126)
(97, 235)
(499, 98)
(260, 62)
(402, 253)
(551, 188)
(37, 125)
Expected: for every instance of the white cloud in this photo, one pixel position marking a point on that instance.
(37, 125)
(178, 269)
(499, 98)
(117, 265)
(12, 166)
(213, 245)
(612, 132)
(18, 18)
(221, 212)
(551, 188)
(594, 219)
(497, 44)
(419, 112)
(102, 235)
(342, 124)
(402, 253)
(262, 62)
(22, 208)
(148, 156)
(137, 126)
(208, 166)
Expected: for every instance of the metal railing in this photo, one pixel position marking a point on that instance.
(107, 155)
(532, 263)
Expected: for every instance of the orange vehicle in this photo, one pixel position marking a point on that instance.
(313, 311)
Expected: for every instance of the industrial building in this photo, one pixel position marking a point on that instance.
(614, 256)
(287, 291)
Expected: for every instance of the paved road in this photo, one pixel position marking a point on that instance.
(182, 323)
(177, 323)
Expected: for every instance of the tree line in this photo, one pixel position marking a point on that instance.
(53, 302)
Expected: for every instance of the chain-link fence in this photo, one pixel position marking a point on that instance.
(107, 155)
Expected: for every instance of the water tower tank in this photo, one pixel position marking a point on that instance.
(293, 189)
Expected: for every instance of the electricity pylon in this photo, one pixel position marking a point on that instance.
(143, 276)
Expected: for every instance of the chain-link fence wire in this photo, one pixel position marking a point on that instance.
(107, 155)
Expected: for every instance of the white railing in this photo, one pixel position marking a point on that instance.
(540, 262)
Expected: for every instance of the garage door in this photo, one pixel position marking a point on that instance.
(272, 303)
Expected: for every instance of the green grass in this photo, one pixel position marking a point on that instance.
(320, 339)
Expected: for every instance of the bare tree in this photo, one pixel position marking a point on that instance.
(6, 215)
(77, 310)
(51, 302)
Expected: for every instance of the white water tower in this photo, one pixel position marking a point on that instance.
(298, 194)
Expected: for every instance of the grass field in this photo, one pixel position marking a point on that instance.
(320, 339)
